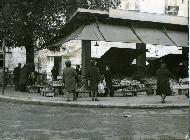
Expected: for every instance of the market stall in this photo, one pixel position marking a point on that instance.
(128, 87)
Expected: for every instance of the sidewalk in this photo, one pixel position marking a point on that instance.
(142, 101)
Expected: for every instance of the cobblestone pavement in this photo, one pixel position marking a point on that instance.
(36, 122)
(140, 101)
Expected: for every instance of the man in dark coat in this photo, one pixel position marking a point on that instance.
(93, 75)
(16, 74)
(69, 79)
(163, 85)
(108, 79)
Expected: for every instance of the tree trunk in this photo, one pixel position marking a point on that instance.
(29, 53)
(29, 44)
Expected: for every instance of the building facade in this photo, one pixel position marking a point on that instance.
(171, 7)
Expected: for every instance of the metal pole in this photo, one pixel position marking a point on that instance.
(3, 47)
(189, 85)
(189, 72)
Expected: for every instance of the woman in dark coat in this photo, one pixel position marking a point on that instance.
(69, 78)
(93, 75)
(23, 80)
(163, 85)
(16, 73)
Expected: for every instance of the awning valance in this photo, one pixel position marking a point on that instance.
(118, 33)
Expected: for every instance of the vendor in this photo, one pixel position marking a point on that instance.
(183, 70)
(54, 73)
(78, 70)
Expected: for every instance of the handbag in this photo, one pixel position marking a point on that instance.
(101, 88)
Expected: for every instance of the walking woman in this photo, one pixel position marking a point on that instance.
(69, 78)
(163, 85)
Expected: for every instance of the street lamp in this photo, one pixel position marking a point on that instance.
(3, 47)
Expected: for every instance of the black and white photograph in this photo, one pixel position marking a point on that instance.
(94, 70)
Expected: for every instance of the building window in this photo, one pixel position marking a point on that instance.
(182, 1)
(50, 58)
(171, 7)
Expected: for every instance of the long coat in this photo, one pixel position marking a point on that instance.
(16, 73)
(163, 85)
(69, 75)
(24, 73)
(93, 75)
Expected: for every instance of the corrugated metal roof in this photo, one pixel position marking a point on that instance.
(98, 26)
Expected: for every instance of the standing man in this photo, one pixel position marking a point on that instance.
(16, 74)
(93, 75)
(69, 79)
(78, 71)
(108, 79)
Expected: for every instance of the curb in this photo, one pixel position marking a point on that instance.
(75, 104)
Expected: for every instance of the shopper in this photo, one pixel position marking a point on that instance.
(108, 79)
(93, 75)
(16, 74)
(23, 80)
(69, 79)
(163, 85)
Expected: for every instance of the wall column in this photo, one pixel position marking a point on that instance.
(85, 55)
(141, 60)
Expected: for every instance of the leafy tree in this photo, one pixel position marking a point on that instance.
(30, 23)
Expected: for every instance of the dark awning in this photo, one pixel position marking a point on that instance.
(172, 61)
(120, 59)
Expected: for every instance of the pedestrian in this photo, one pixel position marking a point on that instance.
(163, 85)
(54, 73)
(78, 70)
(69, 79)
(108, 79)
(23, 80)
(16, 74)
(93, 75)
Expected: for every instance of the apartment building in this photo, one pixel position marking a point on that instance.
(171, 7)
